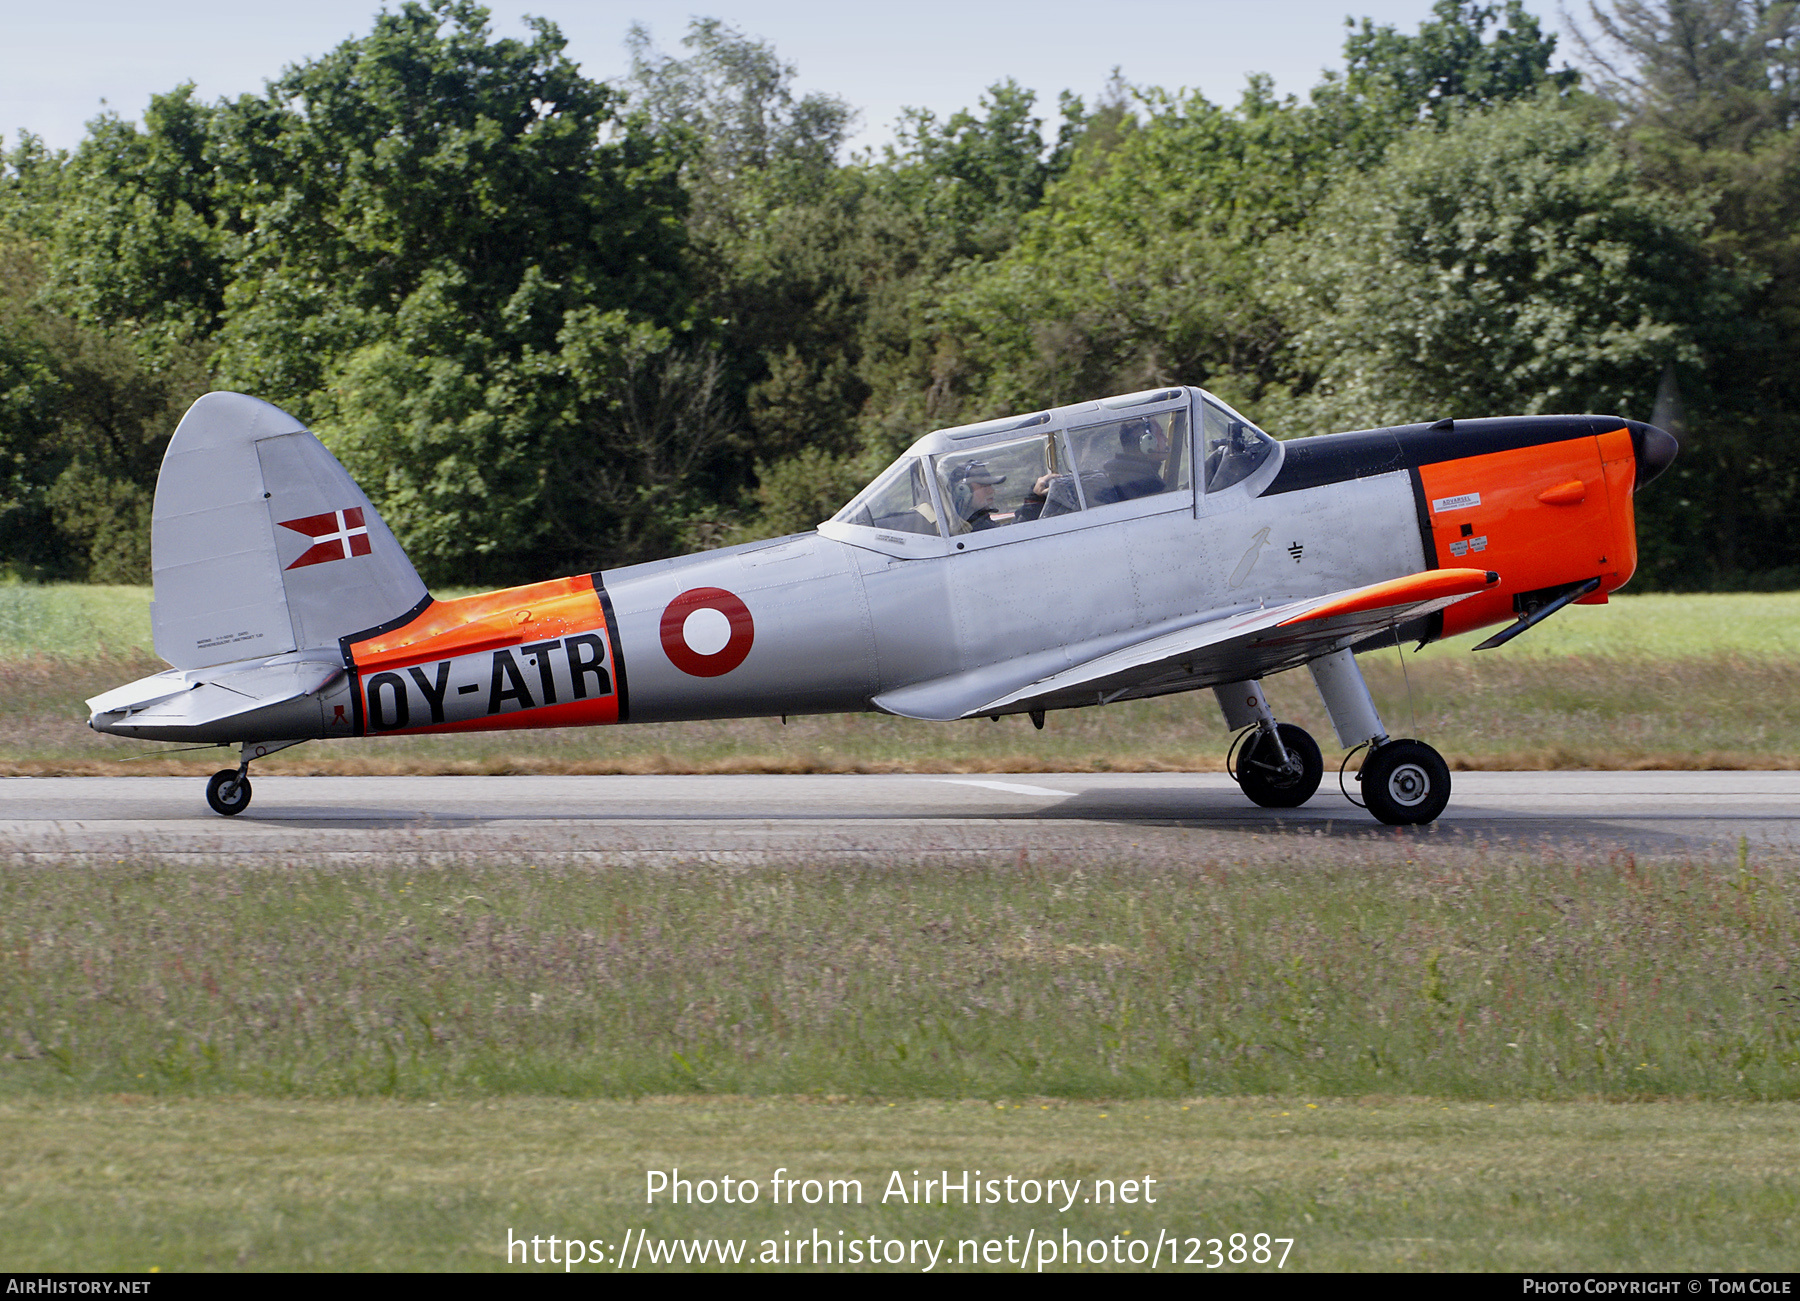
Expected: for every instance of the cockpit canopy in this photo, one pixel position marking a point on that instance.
(1023, 469)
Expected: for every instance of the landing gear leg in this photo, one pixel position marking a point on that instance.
(1279, 765)
(229, 790)
(1404, 782)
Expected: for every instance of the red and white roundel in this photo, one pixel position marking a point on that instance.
(707, 631)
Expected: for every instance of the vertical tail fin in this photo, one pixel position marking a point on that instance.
(262, 544)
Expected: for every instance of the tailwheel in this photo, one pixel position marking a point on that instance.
(1270, 782)
(1405, 783)
(228, 792)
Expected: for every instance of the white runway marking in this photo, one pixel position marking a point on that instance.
(1011, 788)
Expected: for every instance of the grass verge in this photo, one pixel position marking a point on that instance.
(133, 1183)
(1284, 964)
(1400, 1054)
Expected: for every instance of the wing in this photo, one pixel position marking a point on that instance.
(1225, 646)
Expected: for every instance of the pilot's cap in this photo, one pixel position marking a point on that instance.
(975, 472)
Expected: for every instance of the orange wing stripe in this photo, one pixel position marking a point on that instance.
(1428, 586)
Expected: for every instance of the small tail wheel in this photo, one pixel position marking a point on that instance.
(1406, 783)
(1259, 770)
(228, 792)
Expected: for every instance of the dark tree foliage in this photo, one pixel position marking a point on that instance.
(974, 177)
(770, 222)
(31, 184)
(1150, 261)
(1716, 72)
(552, 324)
(1709, 94)
(462, 267)
(430, 154)
(1451, 64)
(84, 417)
(140, 239)
(1514, 262)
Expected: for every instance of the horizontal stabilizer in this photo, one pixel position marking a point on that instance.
(226, 702)
(1237, 647)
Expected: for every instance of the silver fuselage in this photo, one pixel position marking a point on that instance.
(842, 619)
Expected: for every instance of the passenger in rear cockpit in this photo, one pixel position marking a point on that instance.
(1137, 470)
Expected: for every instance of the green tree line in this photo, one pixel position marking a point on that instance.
(551, 323)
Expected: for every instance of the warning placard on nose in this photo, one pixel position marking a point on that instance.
(1461, 502)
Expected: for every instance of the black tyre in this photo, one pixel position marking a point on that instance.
(1260, 773)
(228, 793)
(1406, 783)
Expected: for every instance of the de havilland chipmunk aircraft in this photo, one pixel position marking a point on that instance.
(1111, 550)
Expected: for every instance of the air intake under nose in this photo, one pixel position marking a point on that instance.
(1654, 448)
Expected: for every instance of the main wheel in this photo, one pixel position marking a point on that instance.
(1406, 783)
(228, 793)
(1260, 773)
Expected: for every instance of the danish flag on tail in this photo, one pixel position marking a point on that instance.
(336, 535)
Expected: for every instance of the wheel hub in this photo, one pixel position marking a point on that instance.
(1409, 785)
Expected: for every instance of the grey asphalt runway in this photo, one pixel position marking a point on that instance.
(756, 818)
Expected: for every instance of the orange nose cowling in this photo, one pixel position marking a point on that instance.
(1541, 517)
(1620, 462)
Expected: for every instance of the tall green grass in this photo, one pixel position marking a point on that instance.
(1658, 626)
(1288, 965)
(73, 620)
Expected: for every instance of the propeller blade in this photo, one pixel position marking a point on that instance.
(1668, 413)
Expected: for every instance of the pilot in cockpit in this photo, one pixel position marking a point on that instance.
(972, 496)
